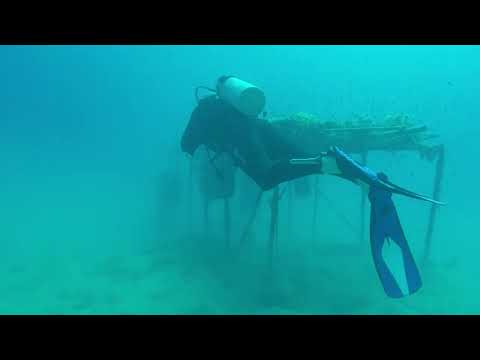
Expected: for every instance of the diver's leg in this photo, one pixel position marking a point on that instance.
(252, 157)
(269, 165)
(268, 173)
(282, 171)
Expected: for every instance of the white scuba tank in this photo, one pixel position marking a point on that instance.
(243, 96)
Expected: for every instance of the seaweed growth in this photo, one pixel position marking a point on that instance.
(359, 134)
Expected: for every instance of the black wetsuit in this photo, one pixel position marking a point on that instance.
(256, 146)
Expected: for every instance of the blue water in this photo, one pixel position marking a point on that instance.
(95, 214)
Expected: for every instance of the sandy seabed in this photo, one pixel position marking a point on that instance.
(185, 281)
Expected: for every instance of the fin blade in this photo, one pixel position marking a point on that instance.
(384, 224)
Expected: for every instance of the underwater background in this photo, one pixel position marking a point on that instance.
(99, 214)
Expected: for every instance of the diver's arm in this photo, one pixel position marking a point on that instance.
(191, 138)
(196, 131)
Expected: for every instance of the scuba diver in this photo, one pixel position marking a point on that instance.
(228, 122)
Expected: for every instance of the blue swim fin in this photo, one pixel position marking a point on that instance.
(399, 276)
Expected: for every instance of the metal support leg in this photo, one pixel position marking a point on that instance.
(436, 193)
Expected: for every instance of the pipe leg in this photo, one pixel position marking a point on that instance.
(289, 209)
(206, 223)
(315, 207)
(190, 198)
(249, 224)
(226, 214)
(363, 203)
(436, 193)
(273, 229)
